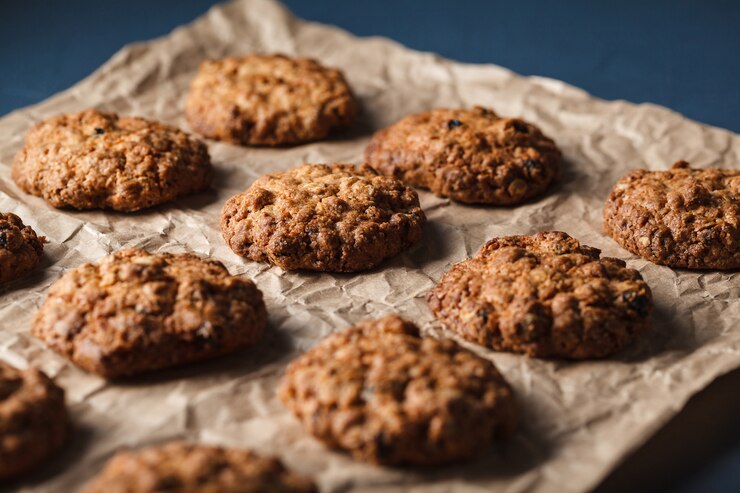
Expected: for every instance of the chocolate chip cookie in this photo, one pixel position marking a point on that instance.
(269, 100)
(387, 395)
(335, 218)
(545, 295)
(20, 248)
(136, 311)
(683, 217)
(33, 419)
(179, 467)
(469, 155)
(97, 160)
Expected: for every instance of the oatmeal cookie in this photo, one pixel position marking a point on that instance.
(335, 218)
(269, 100)
(97, 160)
(545, 295)
(179, 467)
(683, 217)
(20, 248)
(33, 419)
(387, 395)
(135, 311)
(469, 155)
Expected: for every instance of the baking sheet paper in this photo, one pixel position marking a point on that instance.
(580, 419)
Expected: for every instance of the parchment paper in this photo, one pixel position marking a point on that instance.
(580, 419)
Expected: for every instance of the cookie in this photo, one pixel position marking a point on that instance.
(178, 467)
(20, 248)
(545, 295)
(683, 217)
(469, 155)
(269, 100)
(33, 419)
(96, 160)
(389, 396)
(335, 218)
(136, 311)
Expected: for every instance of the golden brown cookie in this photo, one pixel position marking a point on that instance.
(683, 217)
(335, 218)
(469, 155)
(136, 311)
(269, 100)
(20, 248)
(178, 467)
(96, 160)
(387, 395)
(33, 419)
(545, 295)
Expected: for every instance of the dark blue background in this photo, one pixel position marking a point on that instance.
(681, 54)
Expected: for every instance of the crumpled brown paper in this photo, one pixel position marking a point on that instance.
(580, 419)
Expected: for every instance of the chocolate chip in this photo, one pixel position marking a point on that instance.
(520, 127)
(99, 131)
(453, 123)
(3, 240)
(484, 313)
(636, 302)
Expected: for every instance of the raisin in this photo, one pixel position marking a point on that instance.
(383, 450)
(520, 127)
(99, 131)
(453, 123)
(9, 387)
(636, 302)
(533, 165)
(168, 483)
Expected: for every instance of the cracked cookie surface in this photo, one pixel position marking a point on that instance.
(336, 218)
(545, 295)
(269, 100)
(469, 155)
(33, 419)
(682, 217)
(179, 467)
(20, 248)
(135, 311)
(98, 160)
(387, 395)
